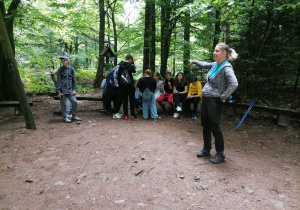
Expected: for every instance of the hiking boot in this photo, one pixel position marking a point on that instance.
(76, 118)
(218, 158)
(126, 118)
(176, 115)
(202, 153)
(67, 120)
(132, 117)
(194, 117)
(178, 109)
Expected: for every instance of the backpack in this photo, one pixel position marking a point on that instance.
(147, 95)
(125, 78)
(110, 81)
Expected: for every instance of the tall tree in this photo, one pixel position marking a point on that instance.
(147, 36)
(99, 75)
(153, 35)
(186, 47)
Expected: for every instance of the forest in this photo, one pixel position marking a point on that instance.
(162, 35)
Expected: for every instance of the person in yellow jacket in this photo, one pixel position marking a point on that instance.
(194, 95)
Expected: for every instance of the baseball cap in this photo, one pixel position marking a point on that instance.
(64, 57)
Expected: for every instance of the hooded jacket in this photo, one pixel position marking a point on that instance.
(223, 84)
(130, 68)
(66, 80)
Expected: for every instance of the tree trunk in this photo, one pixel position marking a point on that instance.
(147, 37)
(271, 13)
(13, 70)
(227, 39)
(99, 75)
(186, 47)
(153, 37)
(217, 28)
(166, 31)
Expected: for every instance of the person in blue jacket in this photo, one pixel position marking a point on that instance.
(221, 83)
(66, 88)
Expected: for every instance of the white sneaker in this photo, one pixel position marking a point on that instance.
(120, 114)
(178, 109)
(117, 116)
(176, 115)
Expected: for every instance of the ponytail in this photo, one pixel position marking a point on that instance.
(231, 54)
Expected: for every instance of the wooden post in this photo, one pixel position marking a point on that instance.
(14, 72)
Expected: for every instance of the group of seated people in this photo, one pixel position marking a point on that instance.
(150, 90)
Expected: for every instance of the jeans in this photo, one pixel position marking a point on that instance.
(113, 94)
(63, 104)
(138, 99)
(187, 104)
(170, 100)
(211, 110)
(153, 110)
(178, 98)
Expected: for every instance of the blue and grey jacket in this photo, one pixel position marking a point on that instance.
(222, 85)
(66, 80)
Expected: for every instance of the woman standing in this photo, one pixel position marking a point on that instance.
(180, 91)
(221, 83)
(143, 84)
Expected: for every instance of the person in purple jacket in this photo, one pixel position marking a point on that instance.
(221, 83)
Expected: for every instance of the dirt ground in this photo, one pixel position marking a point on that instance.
(106, 163)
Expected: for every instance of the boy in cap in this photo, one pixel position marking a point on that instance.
(66, 88)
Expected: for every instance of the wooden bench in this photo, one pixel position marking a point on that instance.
(283, 115)
(15, 104)
(85, 98)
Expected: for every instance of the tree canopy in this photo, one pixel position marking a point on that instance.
(264, 33)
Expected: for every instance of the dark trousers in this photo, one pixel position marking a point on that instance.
(114, 95)
(187, 103)
(128, 92)
(178, 98)
(211, 110)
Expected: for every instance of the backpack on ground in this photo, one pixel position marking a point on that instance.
(110, 81)
(125, 78)
(147, 95)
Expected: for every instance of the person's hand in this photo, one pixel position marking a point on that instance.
(169, 83)
(74, 93)
(59, 95)
(189, 97)
(191, 62)
(223, 100)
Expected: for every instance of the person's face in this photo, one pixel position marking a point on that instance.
(65, 62)
(194, 83)
(168, 76)
(156, 77)
(180, 77)
(219, 55)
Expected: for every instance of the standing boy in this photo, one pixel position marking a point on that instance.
(66, 88)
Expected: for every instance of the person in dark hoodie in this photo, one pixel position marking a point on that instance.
(66, 89)
(128, 90)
